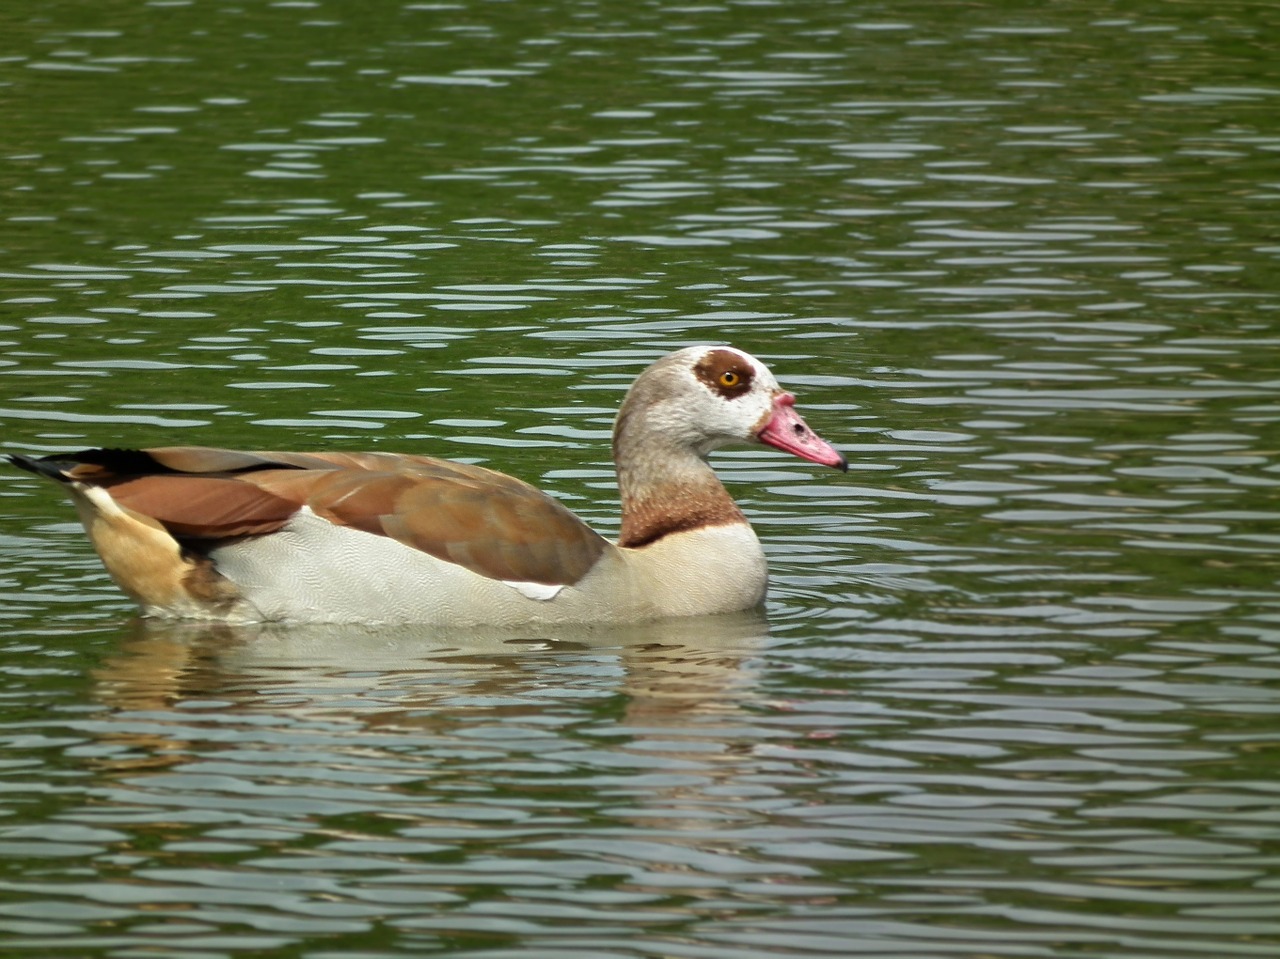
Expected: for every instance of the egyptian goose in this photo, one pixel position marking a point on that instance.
(196, 532)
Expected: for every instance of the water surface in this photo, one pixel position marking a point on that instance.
(1014, 692)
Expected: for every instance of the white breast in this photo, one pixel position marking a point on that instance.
(313, 571)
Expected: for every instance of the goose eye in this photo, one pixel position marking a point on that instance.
(730, 378)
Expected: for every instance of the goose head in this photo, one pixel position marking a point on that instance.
(701, 398)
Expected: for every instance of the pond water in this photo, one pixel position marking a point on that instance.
(1014, 693)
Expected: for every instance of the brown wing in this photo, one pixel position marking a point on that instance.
(488, 522)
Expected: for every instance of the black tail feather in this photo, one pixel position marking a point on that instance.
(120, 462)
(48, 467)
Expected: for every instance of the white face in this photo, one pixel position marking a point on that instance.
(727, 395)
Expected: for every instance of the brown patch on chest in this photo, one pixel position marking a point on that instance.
(725, 372)
(649, 520)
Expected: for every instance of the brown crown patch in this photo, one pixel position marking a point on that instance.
(725, 372)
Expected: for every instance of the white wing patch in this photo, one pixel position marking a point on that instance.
(534, 590)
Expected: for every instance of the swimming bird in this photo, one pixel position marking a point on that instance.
(216, 534)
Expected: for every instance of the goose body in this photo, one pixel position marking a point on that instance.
(198, 532)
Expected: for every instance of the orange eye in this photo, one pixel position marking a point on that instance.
(729, 378)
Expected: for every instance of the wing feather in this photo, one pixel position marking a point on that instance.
(488, 522)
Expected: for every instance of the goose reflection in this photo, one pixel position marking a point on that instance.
(665, 674)
(629, 749)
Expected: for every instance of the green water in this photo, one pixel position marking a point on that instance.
(1014, 693)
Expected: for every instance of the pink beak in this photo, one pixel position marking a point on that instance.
(788, 432)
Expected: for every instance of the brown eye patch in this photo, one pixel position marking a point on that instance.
(724, 372)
